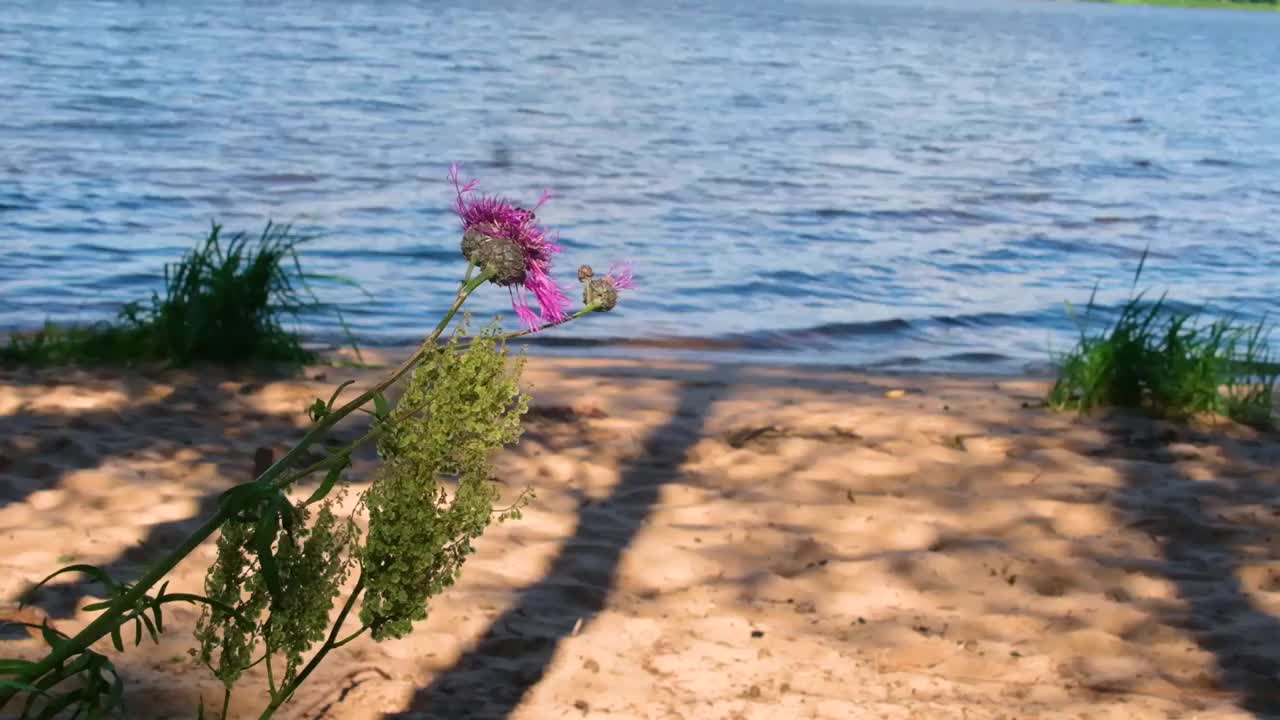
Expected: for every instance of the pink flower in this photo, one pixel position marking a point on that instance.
(620, 275)
(507, 241)
(601, 293)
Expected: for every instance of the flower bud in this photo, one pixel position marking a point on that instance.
(584, 273)
(601, 293)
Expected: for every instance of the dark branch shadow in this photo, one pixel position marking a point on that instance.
(513, 654)
(42, 446)
(1195, 505)
(1206, 531)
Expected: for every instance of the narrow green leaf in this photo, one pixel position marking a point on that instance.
(263, 536)
(60, 703)
(115, 691)
(288, 516)
(333, 399)
(116, 641)
(51, 636)
(155, 607)
(77, 666)
(137, 632)
(151, 628)
(22, 687)
(15, 667)
(113, 701)
(92, 571)
(188, 597)
(245, 494)
(330, 479)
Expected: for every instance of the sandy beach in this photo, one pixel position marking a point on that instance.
(714, 541)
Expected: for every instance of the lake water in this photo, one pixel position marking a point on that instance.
(908, 182)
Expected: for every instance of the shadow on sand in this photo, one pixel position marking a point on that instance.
(512, 656)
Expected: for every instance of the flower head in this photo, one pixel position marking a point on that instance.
(506, 241)
(601, 293)
(620, 274)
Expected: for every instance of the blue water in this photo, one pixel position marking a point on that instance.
(870, 181)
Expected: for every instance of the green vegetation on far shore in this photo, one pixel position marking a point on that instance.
(1165, 362)
(1271, 5)
(223, 303)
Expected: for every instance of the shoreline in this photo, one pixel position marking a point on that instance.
(693, 349)
(696, 353)
(712, 540)
(1194, 4)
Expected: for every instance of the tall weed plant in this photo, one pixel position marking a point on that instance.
(297, 576)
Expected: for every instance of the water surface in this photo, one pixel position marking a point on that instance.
(923, 181)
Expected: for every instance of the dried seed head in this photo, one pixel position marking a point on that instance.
(601, 293)
(497, 256)
(584, 273)
(471, 241)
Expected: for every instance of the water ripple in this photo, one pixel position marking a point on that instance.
(918, 183)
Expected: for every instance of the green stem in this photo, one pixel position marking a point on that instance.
(328, 421)
(271, 675)
(363, 629)
(590, 308)
(342, 453)
(282, 697)
(347, 450)
(111, 617)
(513, 335)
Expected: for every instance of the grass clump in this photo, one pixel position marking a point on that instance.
(223, 303)
(98, 344)
(1167, 363)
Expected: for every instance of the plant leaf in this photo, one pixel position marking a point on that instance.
(22, 687)
(317, 410)
(151, 628)
(246, 494)
(263, 536)
(188, 597)
(330, 479)
(62, 702)
(51, 636)
(14, 666)
(155, 607)
(114, 690)
(92, 571)
(334, 398)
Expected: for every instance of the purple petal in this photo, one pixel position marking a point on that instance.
(521, 306)
(621, 275)
(552, 300)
